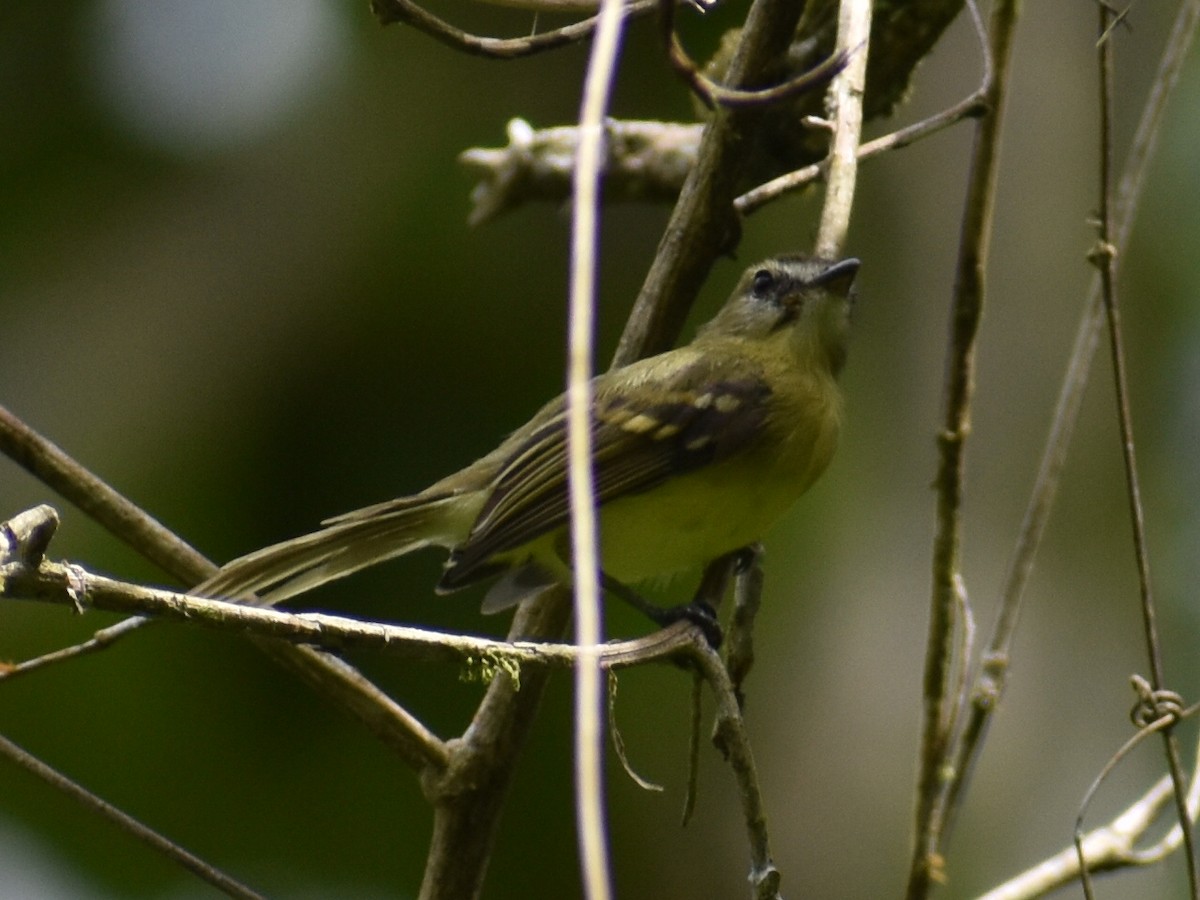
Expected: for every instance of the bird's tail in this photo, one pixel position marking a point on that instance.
(346, 544)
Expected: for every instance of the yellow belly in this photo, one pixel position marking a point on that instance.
(691, 520)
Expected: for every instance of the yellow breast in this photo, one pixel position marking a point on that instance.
(692, 519)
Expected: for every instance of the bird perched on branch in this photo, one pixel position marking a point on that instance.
(697, 451)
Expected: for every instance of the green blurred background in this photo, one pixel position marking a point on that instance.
(236, 282)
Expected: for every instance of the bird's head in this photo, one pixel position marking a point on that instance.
(801, 301)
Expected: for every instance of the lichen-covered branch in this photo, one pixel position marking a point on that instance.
(70, 585)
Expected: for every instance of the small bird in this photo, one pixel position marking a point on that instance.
(697, 452)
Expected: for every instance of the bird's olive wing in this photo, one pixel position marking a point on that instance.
(641, 437)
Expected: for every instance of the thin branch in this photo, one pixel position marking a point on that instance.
(168, 848)
(845, 103)
(1106, 849)
(971, 107)
(992, 678)
(25, 537)
(589, 624)
(332, 677)
(902, 36)
(712, 93)
(619, 742)
(1152, 714)
(551, 7)
(58, 471)
(692, 787)
(644, 161)
(101, 640)
(703, 223)
(389, 12)
(758, 197)
(467, 801)
(947, 590)
(1113, 846)
(729, 736)
(1105, 259)
(1155, 711)
(71, 586)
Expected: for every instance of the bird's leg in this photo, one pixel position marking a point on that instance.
(700, 612)
(622, 591)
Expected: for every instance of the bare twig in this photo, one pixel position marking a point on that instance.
(589, 627)
(729, 735)
(101, 640)
(992, 676)
(959, 384)
(1155, 711)
(1104, 257)
(712, 93)
(619, 742)
(506, 663)
(702, 225)
(54, 468)
(902, 35)
(692, 790)
(390, 12)
(26, 536)
(168, 848)
(25, 539)
(467, 800)
(845, 106)
(556, 7)
(339, 681)
(68, 585)
(645, 161)
(970, 107)
(1108, 848)
(758, 197)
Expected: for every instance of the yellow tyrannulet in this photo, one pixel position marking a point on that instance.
(697, 452)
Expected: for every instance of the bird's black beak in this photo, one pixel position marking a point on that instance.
(839, 277)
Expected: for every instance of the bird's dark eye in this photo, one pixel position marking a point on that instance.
(762, 284)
